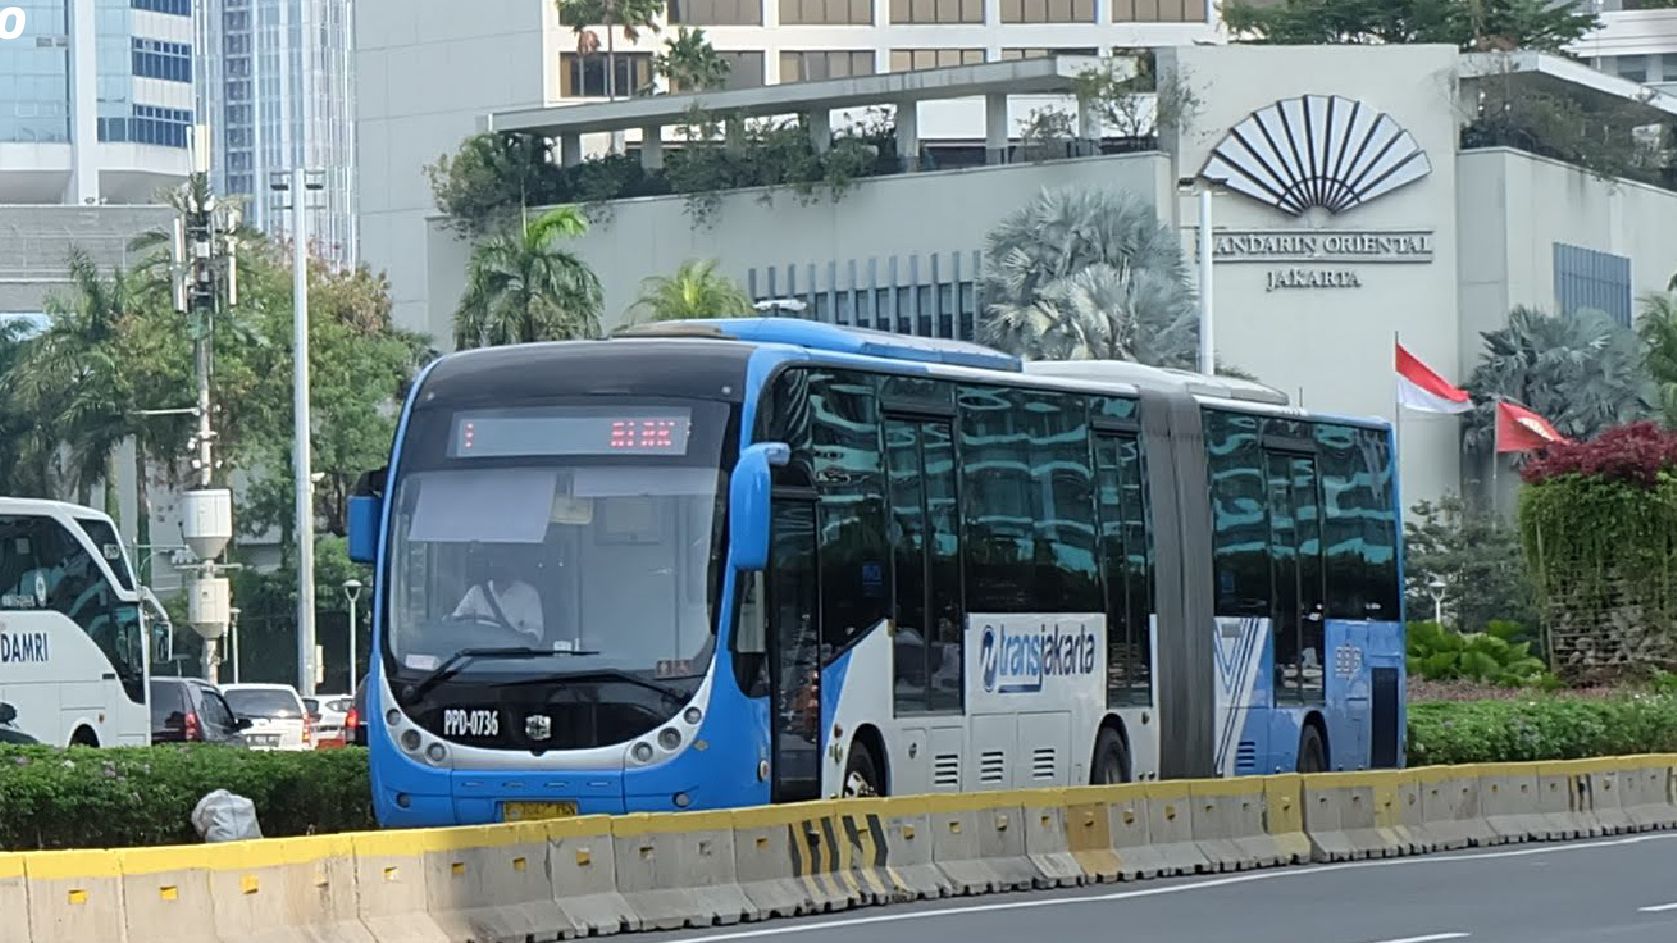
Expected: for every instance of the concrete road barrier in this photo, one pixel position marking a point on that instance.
(593, 876)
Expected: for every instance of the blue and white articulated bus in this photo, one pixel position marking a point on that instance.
(713, 564)
(74, 659)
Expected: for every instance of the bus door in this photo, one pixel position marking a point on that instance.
(794, 651)
(1298, 592)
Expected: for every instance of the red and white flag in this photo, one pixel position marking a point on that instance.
(1518, 429)
(1422, 390)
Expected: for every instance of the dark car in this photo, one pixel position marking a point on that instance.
(187, 710)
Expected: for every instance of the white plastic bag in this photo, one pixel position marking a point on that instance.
(222, 816)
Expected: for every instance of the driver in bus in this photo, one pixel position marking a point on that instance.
(503, 594)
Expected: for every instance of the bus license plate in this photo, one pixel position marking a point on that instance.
(261, 742)
(533, 811)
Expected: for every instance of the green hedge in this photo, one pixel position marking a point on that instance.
(84, 798)
(1541, 728)
(87, 798)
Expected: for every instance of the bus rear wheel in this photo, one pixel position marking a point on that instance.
(83, 737)
(1112, 760)
(1313, 756)
(861, 773)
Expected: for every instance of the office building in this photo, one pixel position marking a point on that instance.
(279, 93)
(1637, 41)
(427, 73)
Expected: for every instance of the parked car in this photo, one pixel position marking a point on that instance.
(191, 710)
(329, 714)
(278, 719)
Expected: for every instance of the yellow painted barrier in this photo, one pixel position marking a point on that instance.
(595, 876)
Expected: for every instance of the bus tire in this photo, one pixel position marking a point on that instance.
(1313, 754)
(861, 773)
(1112, 760)
(84, 737)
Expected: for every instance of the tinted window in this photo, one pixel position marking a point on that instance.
(105, 538)
(1380, 536)
(167, 698)
(1240, 530)
(263, 702)
(849, 474)
(1348, 498)
(1127, 556)
(215, 710)
(1000, 510)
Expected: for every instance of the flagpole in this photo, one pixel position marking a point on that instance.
(1496, 444)
(1397, 408)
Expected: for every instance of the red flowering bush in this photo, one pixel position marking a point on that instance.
(1635, 454)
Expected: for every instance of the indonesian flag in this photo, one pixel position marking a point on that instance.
(1520, 430)
(1422, 390)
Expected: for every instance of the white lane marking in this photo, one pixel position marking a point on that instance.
(1660, 909)
(1434, 938)
(1269, 875)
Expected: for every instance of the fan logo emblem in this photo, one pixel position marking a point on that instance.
(1316, 151)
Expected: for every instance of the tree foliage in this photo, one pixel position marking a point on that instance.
(1657, 329)
(1466, 24)
(696, 290)
(523, 286)
(1476, 555)
(1582, 372)
(1081, 274)
(491, 179)
(689, 63)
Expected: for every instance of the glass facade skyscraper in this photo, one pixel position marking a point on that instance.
(85, 79)
(282, 98)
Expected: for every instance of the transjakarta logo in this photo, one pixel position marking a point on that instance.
(1015, 663)
(20, 647)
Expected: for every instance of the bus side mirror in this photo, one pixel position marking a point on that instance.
(748, 504)
(365, 511)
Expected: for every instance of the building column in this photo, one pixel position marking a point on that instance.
(821, 130)
(84, 104)
(995, 129)
(908, 136)
(570, 149)
(652, 148)
(1088, 129)
(733, 136)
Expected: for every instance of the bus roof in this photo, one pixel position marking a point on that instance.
(1160, 378)
(44, 506)
(838, 338)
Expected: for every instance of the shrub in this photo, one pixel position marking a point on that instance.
(1499, 655)
(1547, 729)
(87, 798)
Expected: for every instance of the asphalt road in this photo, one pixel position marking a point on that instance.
(1614, 890)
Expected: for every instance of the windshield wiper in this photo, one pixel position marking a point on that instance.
(670, 692)
(457, 662)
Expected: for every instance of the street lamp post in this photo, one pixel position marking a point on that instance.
(352, 589)
(233, 639)
(300, 183)
(1436, 588)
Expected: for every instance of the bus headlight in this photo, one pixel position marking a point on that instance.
(693, 715)
(437, 752)
(641, 752)
(669, 738)
(410, 740)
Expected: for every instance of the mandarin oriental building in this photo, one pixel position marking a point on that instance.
(1358, 198)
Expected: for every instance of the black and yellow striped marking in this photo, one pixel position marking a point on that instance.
(845, 855)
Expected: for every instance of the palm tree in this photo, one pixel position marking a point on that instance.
(521, 287)
(1088, 274)
(75, 378)
(631, 16)
(690, 63)
(1657, 329)
(694, 291)
(1583, 372)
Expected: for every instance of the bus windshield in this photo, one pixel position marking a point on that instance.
(603, 568)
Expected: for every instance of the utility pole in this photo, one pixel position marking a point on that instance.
(205, 279)
(300, 184)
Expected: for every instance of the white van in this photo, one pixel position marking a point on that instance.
(277, 718)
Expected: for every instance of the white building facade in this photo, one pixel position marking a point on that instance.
(1634, 43)
(428, 73)
(1389, 229)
